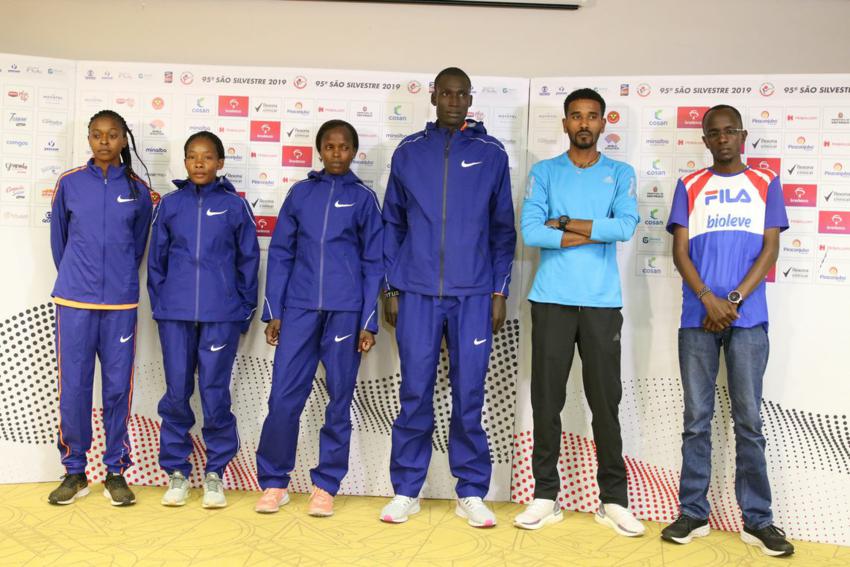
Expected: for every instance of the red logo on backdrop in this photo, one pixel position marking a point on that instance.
(613, 117)
(265, 225)
(241, 194)
(834, 222)
(771, 274)
(771, 163)
(297, 156)
(690, 116)
(233, 106)
(264, 131)
(797, 195)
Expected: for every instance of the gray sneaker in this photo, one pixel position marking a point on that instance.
(178, 490)
(214, 491)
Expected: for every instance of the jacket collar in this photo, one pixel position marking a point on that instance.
(112, 172)
(470, 128)
(323, 175)
(220, 182)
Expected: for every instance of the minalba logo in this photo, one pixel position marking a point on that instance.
(613, 117)
(300, 82)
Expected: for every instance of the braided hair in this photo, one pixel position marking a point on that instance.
(126, 155)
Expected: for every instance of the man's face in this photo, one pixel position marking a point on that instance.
(452, 98)
(584, 123)
(723, 135)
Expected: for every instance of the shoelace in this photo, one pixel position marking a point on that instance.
(472, 502)
(775, 530)
(542, 506)
(402, 500)
(177, 481)
(213, 484)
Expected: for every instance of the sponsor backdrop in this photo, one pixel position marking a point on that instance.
(268, 118)
(799, 127)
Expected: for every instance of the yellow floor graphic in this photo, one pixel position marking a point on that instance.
(91, 532)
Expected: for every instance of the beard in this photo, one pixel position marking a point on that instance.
(583, 142)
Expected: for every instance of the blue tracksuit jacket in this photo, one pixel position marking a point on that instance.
(326, 249)
(448, 214)
(204, 255)
(98, 231)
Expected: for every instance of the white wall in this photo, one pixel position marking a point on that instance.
(648, 37)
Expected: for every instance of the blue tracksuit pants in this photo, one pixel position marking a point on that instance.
(211, 348)
(306, 337)
(466, 322)
(80, 335)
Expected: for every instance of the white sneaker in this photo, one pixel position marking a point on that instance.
(476, 512)
(619, 519)
(399, 508)
(178, 490)
(213, 491)
(538, 514)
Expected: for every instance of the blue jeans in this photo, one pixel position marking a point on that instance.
(746, 352)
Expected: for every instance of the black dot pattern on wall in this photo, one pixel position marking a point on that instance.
(29, 402)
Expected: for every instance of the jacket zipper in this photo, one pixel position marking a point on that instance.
(443, 226)
(322, 245)
(198, 257)
(103, 249)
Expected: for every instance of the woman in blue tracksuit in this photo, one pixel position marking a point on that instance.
(202, 281)
(98, 229)
(324, 273)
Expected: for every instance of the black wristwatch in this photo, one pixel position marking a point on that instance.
(735, 297)
(563, 221)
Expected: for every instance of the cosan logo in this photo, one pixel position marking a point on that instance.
(650, 266)
(398, 114)
(658, 119)
(654, 219)
(201, 106)
(727, 196)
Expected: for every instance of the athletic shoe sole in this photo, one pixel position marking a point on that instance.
(606, 521)
(320, 514)
(213, 505)
(545, 521)
(174, 503)
(753, 540)
(116, 503)
(462, 513)
(80, 494)
(701, 531)
(284, 501)
(400, 519)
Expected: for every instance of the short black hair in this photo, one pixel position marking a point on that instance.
(584, 94)
(332, 125)
(452, 72)
(216, 141)
(732, 109)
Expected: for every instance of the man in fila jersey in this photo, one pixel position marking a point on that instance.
(449, 242)
(725, 222)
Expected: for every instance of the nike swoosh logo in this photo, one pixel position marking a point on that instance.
(211, 213)
(340, 339)
(127, 338)
(826, 197)
(123, 200)
(464, 164)
(217, 348)
(756, 143)
(339, 205)
(786, 272)
(477, 342)
(791, 171)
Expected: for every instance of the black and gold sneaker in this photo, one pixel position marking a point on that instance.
(73, 486)
(117, 491)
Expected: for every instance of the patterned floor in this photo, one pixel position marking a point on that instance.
(91, 532)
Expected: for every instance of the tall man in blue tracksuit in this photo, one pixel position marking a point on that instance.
(202, 280)
(449, 243)
(577, 206)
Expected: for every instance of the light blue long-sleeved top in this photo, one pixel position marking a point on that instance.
(604, 193)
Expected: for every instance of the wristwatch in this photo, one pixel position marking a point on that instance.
(563, 221)
(735, 297)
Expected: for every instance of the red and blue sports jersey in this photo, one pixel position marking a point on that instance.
(726, 216)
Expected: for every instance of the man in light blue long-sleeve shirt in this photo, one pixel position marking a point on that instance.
(578, 205)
